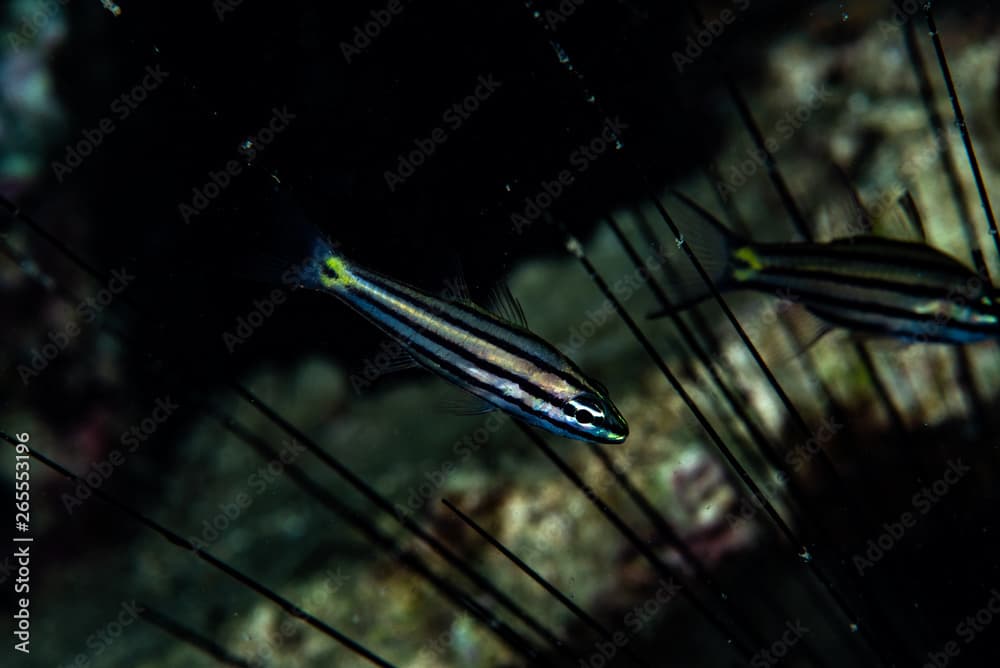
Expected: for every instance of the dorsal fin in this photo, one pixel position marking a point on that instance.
(860, 217)
(909, 207)
(502, 303)
(462, 286)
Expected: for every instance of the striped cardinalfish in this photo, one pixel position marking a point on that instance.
(494, 357)
(867, 284)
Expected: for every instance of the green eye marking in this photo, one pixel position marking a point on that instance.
(334, 272)
(750, 263)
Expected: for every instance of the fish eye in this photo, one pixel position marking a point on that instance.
(585, 409)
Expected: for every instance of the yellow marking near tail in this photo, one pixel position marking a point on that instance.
(342, 275)
(753, 263)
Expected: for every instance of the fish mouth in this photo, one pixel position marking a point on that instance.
(621, 425)
(618, 435)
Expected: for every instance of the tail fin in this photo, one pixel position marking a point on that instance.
(712, 244)
(296, 250)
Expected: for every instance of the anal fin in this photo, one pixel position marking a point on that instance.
(463, 403)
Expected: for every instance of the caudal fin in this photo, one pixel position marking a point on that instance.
(292, 253)
(712, 244)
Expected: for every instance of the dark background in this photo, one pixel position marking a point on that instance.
(352, 121)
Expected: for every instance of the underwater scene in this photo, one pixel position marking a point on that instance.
(438, 334)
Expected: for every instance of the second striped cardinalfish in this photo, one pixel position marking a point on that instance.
(868, 284)
(494, 357)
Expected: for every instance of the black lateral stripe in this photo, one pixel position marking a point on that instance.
(455, 350)
(524, 384)
(450, 346)
(875, 308)
(932, 335)
(899, 254)
(509, 347)
(465, 377)
(393, 288)
(458, 372)
(837, 318)
(845, 277)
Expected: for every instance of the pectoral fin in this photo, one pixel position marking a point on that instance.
(465, 404)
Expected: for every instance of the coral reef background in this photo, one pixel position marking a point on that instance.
(120, 130)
